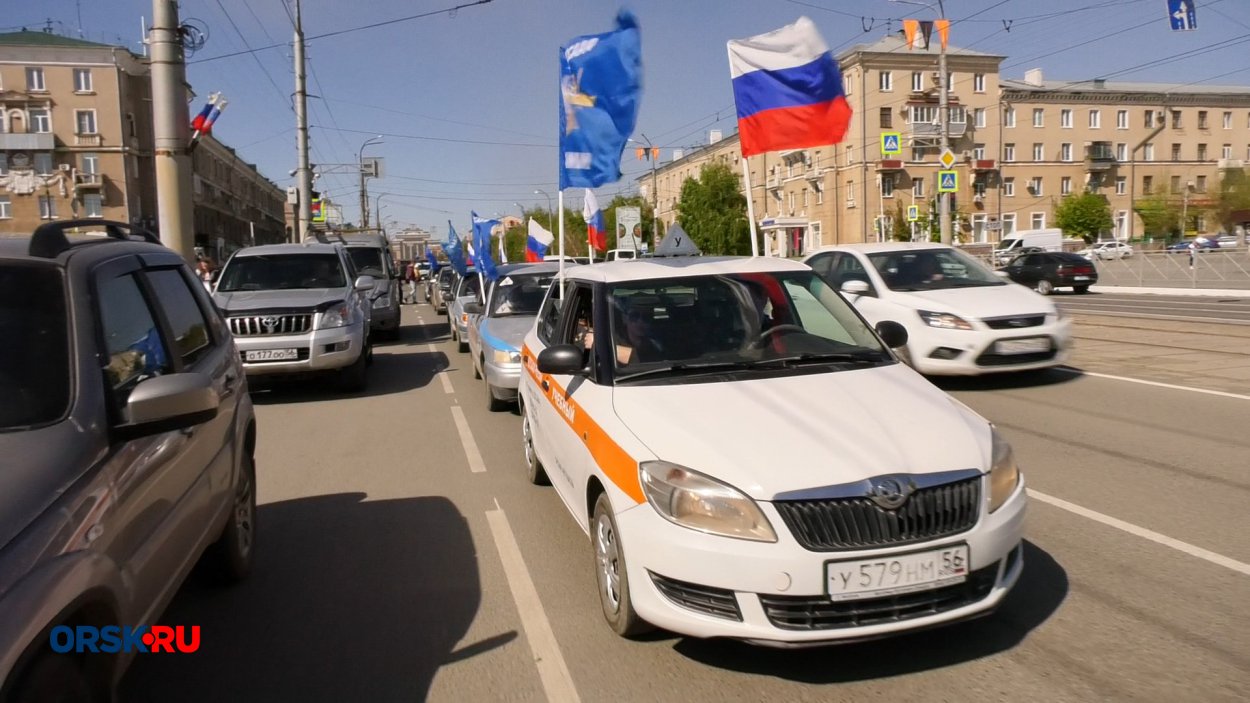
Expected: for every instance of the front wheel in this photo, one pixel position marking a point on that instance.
(1082, 290)
(610, 573)
(231, 556)
(535, 472)
(1045, 287)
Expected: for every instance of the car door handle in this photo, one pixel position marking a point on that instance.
(228, 388)
(546, 386)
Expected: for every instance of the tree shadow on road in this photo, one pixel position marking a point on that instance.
(350, 600)
(1007, 381)
(1042, 588)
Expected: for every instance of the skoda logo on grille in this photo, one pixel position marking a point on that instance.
(889, 492)
(270, 323)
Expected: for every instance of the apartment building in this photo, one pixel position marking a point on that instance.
(1020, 146)
(76, 142)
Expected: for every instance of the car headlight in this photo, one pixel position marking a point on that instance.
(692, 500)
(505, 356)
(338, 315)
(944, 320)
(1004, 474)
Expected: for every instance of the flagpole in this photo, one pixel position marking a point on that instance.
(589, 244)
(746, 181)
(560, 207)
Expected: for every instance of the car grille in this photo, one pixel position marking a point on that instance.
(717, 602)
(834, 524)
(991, 359)
(820, 613)
(1014, 322)
(261, 325)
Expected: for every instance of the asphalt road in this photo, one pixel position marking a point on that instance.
(1227, 310)
(401, 561)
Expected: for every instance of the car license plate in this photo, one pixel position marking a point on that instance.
(896, 574)
(1032, 345)
(272, 355)
(1080, 278)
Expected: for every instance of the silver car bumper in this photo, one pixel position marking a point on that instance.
(321, 350)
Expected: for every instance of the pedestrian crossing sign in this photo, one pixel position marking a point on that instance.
(948, 181)
(913, 213)
(891, 143)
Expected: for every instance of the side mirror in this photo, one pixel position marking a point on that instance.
(448, 296)
(364, 283)
(474, 309)
(562, 359)
(892, 333)
(856, 287)
(171, 402)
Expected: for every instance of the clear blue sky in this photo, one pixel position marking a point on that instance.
(489, 74)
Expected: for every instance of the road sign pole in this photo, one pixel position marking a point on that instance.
(944, 203)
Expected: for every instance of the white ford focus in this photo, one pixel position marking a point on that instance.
(961, 318)
(751, 461)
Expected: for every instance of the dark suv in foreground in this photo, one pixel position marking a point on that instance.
(127, 435)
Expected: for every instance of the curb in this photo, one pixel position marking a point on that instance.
(1185, 292)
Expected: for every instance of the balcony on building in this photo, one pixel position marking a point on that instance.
(30, 141)
(88, 181)
(890, 165)
(1227, 164)
(88, 140)
(1099, 156)
(984, 165)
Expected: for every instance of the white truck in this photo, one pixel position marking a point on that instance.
(1046, 239)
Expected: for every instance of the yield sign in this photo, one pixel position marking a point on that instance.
(947, 158)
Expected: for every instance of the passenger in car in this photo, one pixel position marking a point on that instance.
(637, 342)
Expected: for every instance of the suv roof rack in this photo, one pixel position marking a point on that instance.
(49, 240)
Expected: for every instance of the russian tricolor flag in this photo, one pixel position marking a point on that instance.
(596, 231)
(538, 242)
(788, 90)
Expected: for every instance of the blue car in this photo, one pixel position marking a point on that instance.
(1200, 244)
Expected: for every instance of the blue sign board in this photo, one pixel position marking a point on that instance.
(891, 143)
(1181, 14)
(948, 181)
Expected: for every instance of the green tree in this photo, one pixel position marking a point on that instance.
(1231, 204)
(713, 212)
(1086, 215)
(1160, 215)
(902, 228)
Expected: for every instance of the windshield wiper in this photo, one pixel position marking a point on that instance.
(702, 367)
(864, 357)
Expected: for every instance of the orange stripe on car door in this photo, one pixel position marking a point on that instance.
(615, 463)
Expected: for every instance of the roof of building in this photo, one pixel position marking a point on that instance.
(895, 44)
(691, 154)
(27, 37)
(1101, 86)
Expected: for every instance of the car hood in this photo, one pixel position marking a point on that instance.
(506, 332)
(978, 303)
(771, 436)
(238, 301)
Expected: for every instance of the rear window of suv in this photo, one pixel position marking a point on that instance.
(368, 260)
(282, 272)
(34, 356)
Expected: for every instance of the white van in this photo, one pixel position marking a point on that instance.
(1047, 239)
(618, 254)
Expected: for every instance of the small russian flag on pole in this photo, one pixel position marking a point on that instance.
(538, 242)
(596, 231)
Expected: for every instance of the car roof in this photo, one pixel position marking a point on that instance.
(678, 266)
(879, 247)
(17, 248)
(305, 248)
(530, 267)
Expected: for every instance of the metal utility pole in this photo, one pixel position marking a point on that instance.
(172, 130)
(364, 193)
(944, 199)
(303, 174)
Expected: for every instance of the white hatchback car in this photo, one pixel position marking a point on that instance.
(1108, 251)
(752, 462)
(961, 317)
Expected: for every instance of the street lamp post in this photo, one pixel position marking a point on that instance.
(364, 194)
(655, 191)
(377, 207)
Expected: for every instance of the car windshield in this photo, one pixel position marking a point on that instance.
(1007, 243)
(519, 295)
(34, 360)
(931, 269)
(368, 261)
(282, 272)
(735, 322)
(469, 286)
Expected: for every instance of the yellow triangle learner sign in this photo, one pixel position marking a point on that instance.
(947, 158)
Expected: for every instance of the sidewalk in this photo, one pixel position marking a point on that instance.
(1139, 290)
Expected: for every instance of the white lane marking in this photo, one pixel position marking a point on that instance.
(1151, 316)
(476, 465)
(552, 670)
(441, 373)
(1193, 551)
(1222, 394)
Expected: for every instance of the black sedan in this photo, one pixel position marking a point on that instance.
(1046, 271)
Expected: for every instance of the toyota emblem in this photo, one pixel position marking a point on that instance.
(270, 323)
(889, 492)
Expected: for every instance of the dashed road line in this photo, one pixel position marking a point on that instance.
(442, 372)
(1157, 384)
(476, 465)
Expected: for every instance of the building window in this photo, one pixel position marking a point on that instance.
(1039, 116)
(1065, 118)
(1147, 184)
(1176, 152)
(1202, 119)
(1037, 220)
(1121, 119)
(34, 80)
(1202, 152)
(917, 82)
(924, 114)
(6, 210)
(82, 80)
(47, 207)
(1201, 184)
(950, 81)
(917, 187)
(978, 82)
(93, 205)
(43, 163)
(847, 83)
(978, 152)
(886, 82)
(1228, 120)
(1009, 224)
(1065, 152)
(1009, 152)
(887, 185)
(978, 187)
(1148, 152)
(85, 121)
(1009, 187)
(1176, 119)
(1121, 152)
(40, 120)
(918, 153)
(1176, 184)
(850, 193)
(1009, 117)
(887, 118)
(978, 117)
(1150, 119)
(1035, 186)
(1039, 151)
(1121, 185)
(1226, 151)
(1065, 186)
(820, 194)
(1095, 119)
(956, 115)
